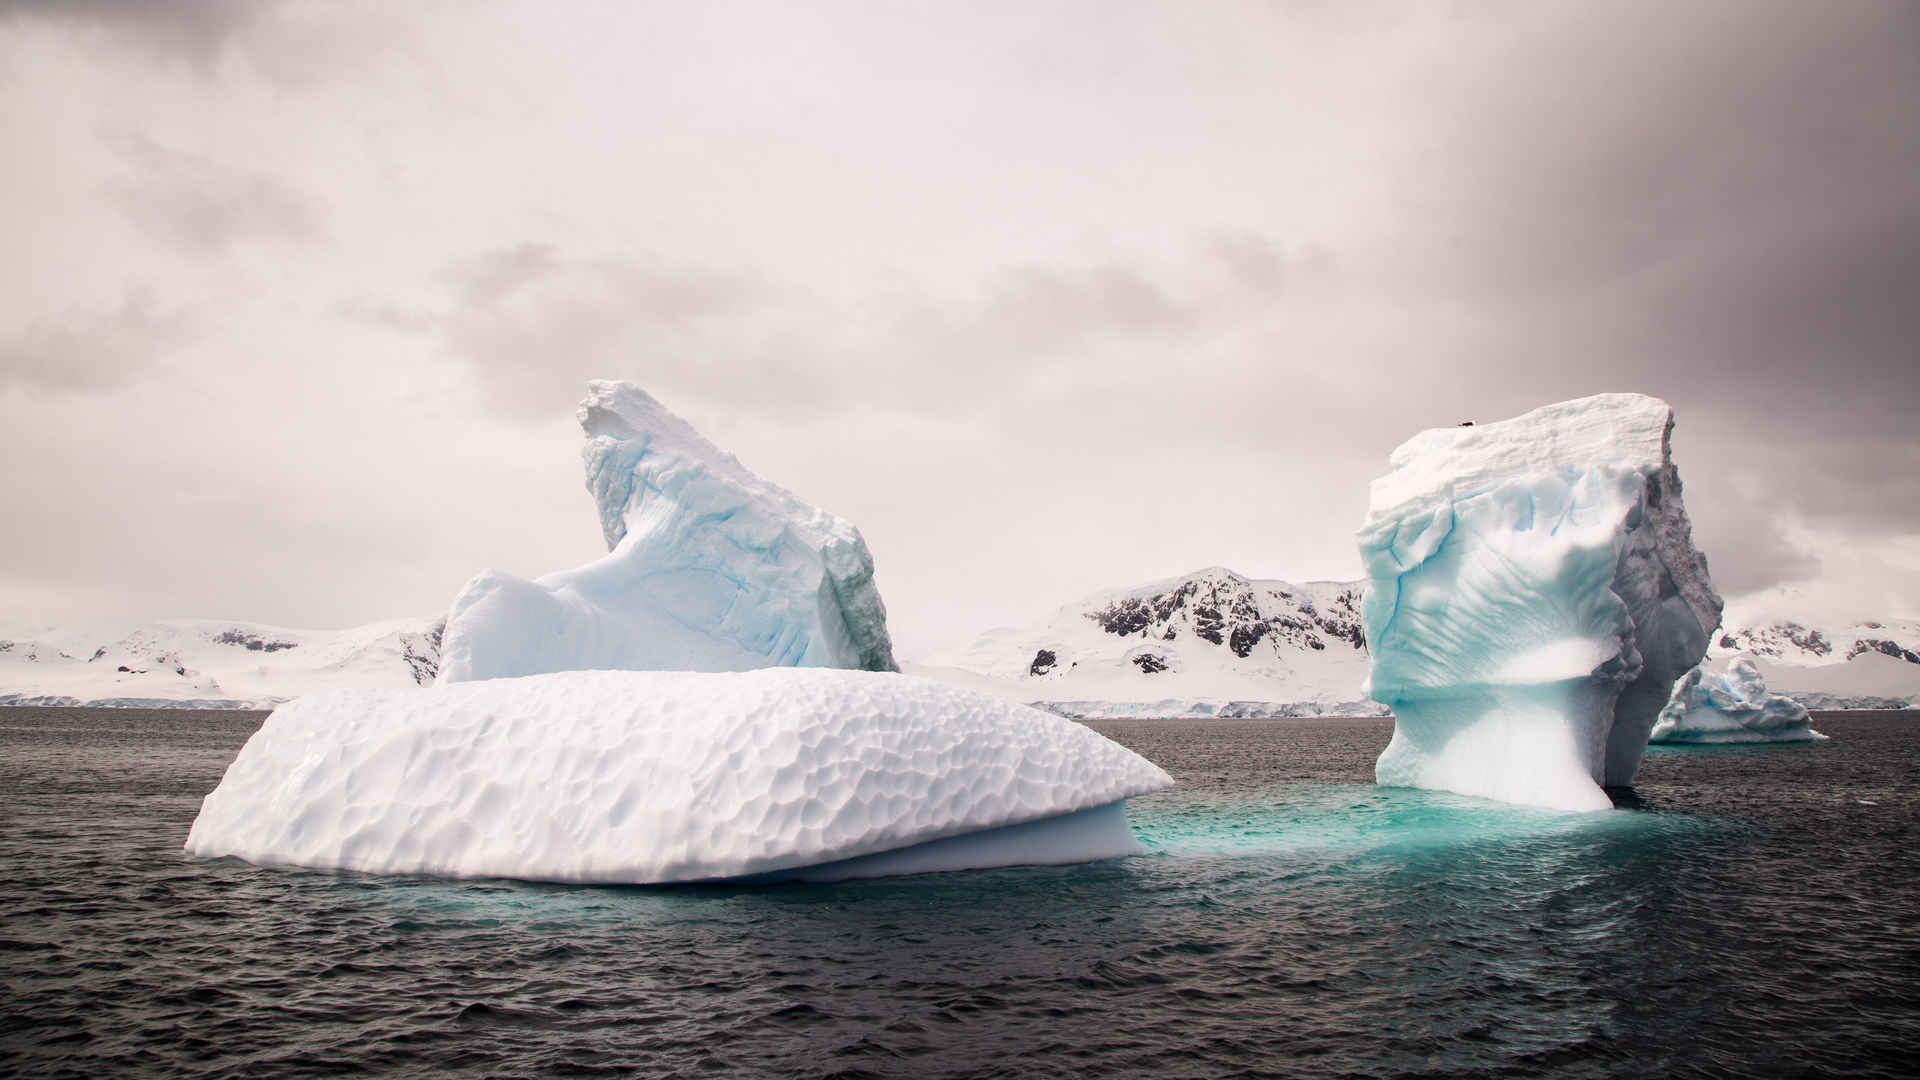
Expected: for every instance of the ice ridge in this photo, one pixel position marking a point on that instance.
(709, 568)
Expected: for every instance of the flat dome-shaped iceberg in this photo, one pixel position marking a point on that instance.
(709, 568)
(1533, 593)
(658, 777)
(1731, 706)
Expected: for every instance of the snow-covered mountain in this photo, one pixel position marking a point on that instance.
(1208, 643)
(1823, 661)
(1215, 643)
(210, 664)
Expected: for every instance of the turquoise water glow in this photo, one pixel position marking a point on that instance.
(1354, 820)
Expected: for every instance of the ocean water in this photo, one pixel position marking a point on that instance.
(1752, 911)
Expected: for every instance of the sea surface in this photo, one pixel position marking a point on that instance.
(1750, 911)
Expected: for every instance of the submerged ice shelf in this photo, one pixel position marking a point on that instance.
(1731, 706)
(657, 777)
(1533, 593)
(709, 568)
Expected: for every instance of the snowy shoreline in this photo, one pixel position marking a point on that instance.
(1072, 710)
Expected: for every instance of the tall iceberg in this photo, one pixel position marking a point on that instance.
(1533, 593)
(709, 568)
(1731, 706)
(650, 777)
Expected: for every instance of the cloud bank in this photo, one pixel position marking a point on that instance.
(1047, 300)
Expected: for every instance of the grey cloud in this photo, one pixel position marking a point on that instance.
(1201, 350)
(1867, 485)
(1031, 332)
(1030, 315)
(1718, 203)
(89, 353)
(387, 315)
(1819, 333)
(1042, 308)
(1601, 142)
(535, 323)
(293, 45)
(1520, 202)
(1258, 262)
(487, 277)
(202, 205)
(1068, 326)
(1745, 541)
(196, 30)
(1802, 354)
(669, 294)
(1266, 267)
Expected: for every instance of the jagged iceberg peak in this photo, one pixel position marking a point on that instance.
(1533, 593)
(1731, 706)
(709, 568)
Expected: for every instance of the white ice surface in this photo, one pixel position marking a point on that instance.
(1533, 593)
(651, 777)
(709, 568)
(1731, 705)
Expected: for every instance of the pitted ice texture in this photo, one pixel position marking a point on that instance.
(709, 568)
(653, 777)
(1731, 706)
(1533, 593)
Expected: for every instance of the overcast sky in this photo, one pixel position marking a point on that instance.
(296, 299)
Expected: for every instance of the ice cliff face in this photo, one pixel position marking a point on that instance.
(1731, 706)
(1533, 593)
(709, 568)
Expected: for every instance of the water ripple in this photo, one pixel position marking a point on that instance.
(1755, 912)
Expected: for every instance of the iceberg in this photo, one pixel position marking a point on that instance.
(1533, 593)
(709, 568)
(649, 777)
(1731, 706)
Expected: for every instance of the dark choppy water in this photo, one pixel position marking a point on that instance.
(1758, 912)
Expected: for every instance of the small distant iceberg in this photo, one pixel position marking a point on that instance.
(661, 777)
(1533, 594)
(1731, 706)
(709, 568)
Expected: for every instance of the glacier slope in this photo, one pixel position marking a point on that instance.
(709, 568)
(1533, 594)
(656, 777)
